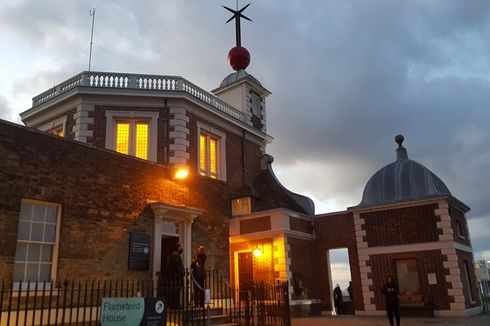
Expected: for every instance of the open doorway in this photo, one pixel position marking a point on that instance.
(169, 243)
(340, 281)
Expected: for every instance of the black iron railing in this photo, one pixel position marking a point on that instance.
(79, 302)
(484, 287)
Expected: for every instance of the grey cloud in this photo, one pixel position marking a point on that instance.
(345, 76)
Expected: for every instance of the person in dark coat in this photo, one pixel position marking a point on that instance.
(349, 289)
(199, 276)
(176, 276)
(391, 291)
(338, 301)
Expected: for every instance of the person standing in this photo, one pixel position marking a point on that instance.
(199, 276)
(391, 291)
(176, 275)
(349, 289)
(338, 301)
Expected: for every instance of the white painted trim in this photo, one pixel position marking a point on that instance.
(56, 245)
(221, 151)
(183, 218)
(54, 124)
(303, 302)
(462, 247)
(423, 246)
(112, 116)
(270, 233)
(459, 313)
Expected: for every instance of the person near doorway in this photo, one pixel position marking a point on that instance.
(176, 276)
(338, 301)
(349, 289)
(199, 276)
(391, 291)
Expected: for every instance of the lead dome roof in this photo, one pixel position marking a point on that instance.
(402, 180)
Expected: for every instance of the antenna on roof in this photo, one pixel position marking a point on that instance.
(92, 13)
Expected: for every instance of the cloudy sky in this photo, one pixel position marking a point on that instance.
(345, 76)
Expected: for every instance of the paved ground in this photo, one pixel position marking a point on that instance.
(481, 320)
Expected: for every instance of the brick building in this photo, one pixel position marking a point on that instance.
(110, 160)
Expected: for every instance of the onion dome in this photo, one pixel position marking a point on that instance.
(402, 180)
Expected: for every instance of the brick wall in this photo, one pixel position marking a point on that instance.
(427, 262)
(401, 226)
(470, 290)
(234, 165)
(335, 231)
(458, 218)
(303, 269)
(104, 197)
(300, 225)
(100, 121)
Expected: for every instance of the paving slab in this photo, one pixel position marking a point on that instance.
(480, 320)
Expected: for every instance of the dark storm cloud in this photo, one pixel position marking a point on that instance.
(345, 76)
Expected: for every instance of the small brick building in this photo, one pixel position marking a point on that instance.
(99, 166)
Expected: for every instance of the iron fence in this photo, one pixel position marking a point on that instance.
(484, 287)
(79, 302)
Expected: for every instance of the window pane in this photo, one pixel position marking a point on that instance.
(49, 233)
(37, 231)
(44, 272)
(33, 252)
(46, 253)
(39, 213)
(122, 138)
(141, 146)
(19, 271)
(213, 157)
(202, 154)
(23, 232)
(51, 214)
(26, 211)
(32, 271)
(21, 251)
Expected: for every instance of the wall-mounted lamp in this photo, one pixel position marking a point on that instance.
(181, 173)
(257, 252)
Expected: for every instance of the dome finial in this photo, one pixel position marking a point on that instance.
(401, 152)
(399, 139)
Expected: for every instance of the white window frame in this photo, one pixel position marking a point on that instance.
(112, 117)
(238, 204)
(54, 257)
(221, 136)
(56, 124)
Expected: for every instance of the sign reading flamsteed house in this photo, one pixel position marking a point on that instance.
(132, 311)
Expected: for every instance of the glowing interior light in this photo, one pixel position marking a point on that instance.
(141, 146)
(122, 142)
(257, 252)
(181, 174)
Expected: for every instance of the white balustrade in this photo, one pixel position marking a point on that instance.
(142, 82)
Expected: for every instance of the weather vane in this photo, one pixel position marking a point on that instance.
(237, 14)
(238, 57)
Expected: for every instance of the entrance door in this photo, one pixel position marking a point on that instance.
(169, 243)
(245, 270)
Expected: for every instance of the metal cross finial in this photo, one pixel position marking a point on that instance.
(237, 14)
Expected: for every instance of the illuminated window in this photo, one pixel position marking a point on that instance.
(211, 154)
(37, 241)
(132, 138)
(132, 133)
(240, 206)
(208, 155)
